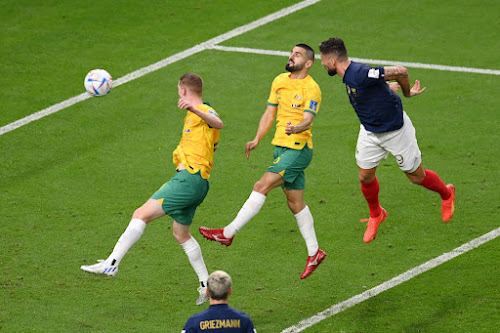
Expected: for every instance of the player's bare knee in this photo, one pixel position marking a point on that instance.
(181, 237)
(417, 176)
(366, 178)
(417, 180)
(366, 175)
(296, 207)
(261, 187)
(176, 235)
(292, 205)
(138, 214)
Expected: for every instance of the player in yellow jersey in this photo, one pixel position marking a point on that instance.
(185, 191)
(294, 102)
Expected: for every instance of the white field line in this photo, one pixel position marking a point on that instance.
(162, 63)
(367, 61)
(339, 307)
(43, 113)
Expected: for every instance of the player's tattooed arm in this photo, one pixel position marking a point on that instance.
(395, 72)
(400, 74)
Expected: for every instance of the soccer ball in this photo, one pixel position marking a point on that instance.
(98, 82)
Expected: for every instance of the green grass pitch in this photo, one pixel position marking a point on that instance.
(70, 182)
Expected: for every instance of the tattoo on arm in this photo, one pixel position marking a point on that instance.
(393, 73)
(400, 74)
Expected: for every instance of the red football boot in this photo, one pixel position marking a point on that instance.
(313, 262)
(216, 235)
(373, 223)
(448, 207)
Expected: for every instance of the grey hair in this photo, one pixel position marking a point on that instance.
(219, 285)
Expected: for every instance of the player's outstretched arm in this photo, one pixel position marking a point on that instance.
(266, 121)
(400, 74)
(416, 90)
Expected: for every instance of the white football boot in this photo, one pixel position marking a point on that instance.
(203, 295)
(102, 267)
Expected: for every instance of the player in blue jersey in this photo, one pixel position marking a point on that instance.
(385, 128)
(219, 317)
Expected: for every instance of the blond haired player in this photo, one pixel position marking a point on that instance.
(185, 191)
(294, 101)
(219, 317)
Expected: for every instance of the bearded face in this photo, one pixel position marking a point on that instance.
(328, 63)
(331, 71)
(292, 66)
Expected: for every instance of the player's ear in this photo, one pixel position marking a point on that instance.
(208, 294)
(309, 64)
(331, 61)
(230, 291)
(182, 89)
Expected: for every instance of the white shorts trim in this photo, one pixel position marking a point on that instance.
(371, 147)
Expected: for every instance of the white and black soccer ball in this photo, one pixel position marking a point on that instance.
(98, 82)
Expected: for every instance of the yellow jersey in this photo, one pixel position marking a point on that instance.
(198, 143)
(293, 98)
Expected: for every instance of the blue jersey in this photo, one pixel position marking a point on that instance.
(219, 318)
(378, 108)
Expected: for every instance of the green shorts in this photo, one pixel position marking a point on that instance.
(290, 164)
(181, 195)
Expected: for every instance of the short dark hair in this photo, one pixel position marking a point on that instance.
(309, 51)
(334, 46)
(192, 82)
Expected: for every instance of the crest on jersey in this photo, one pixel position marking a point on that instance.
(297, 101)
